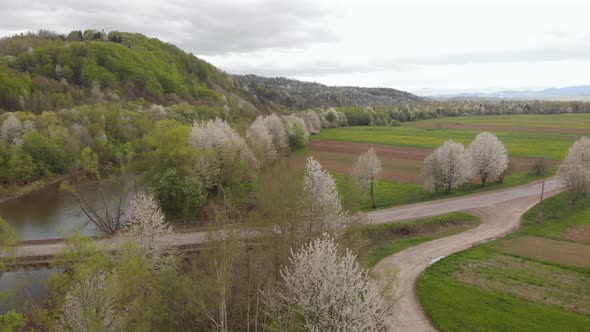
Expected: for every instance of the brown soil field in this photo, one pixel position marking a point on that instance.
(490, 127)
(578, 234)
(554, 251)
(402, 164)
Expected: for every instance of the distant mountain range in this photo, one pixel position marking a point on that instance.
(580, 92)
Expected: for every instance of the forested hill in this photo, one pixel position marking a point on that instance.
(49, 71)
(296, 94)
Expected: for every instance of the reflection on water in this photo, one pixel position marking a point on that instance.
(48, 213)
(23, 287)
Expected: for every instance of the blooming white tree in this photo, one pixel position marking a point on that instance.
(365, 172)
(92, 305)
(319, 207)
(331, 291)
(313, 122)
(489, 156)
(575, 169)
(261, 142)
(297, 133)
(146, 226)
(448, 166)
(218, 135)
(12, 130)
(276, 129)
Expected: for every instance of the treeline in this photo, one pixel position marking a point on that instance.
(49, 71)
(381, 115)
(173, 148)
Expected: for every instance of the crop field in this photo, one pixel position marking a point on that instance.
(551, 143)
(537, 279)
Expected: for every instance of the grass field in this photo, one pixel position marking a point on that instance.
(535, 280)
(387, 239)
(549, 145)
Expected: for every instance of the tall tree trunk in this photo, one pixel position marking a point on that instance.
(372, 193)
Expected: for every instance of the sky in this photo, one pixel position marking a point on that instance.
(451, 46)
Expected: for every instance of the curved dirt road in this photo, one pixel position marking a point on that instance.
(500, 214)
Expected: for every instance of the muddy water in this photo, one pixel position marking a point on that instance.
(48, 213)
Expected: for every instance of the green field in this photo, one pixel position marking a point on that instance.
(497, 286)
(565, 121)
(393, 193)
(520, 143)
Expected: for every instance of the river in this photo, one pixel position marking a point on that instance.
(48, 213)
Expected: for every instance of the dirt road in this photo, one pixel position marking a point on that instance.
(500, 214)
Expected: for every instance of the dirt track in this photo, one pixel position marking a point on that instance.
(500, 214)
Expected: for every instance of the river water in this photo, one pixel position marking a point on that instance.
(48, 213)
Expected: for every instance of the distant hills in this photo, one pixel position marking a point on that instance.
(296, 94)
(581, 92)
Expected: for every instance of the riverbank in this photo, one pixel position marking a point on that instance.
(19, 191)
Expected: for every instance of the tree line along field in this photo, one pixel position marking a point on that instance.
(402, 150)
(537, 279)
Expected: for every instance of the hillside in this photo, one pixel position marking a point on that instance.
(296, 94)
(48, 71)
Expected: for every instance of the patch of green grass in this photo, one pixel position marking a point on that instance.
(456, 306)
(387, 239)
(485, 288)
(519, 143)
(393, 193)
(558, 217)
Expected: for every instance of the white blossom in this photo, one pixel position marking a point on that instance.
(331, 291)
(448, 166)
(218, 135)
(261, 142)
(12, 130)
(146, 226)
(575, 169)
(489, 156)
(91, 305)
(276, 129)
(313, 122)
(320, 207)
(365, 172)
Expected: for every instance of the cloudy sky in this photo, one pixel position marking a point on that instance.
(405, 44)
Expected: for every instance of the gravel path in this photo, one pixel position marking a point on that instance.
(500, 214)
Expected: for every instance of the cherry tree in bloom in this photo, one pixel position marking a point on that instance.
(12, 130)
(489, 156)
(261, 142)
(313, 122)
(297, 133)
(331, 291)
(147, 227)
(320, 207)
(275, 127)
(575, 169)
(92, 305)
(449, 166)
(365, 172)
(218, 135)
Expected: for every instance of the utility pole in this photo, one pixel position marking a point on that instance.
(540, 216)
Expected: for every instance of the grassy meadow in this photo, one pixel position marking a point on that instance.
(537, 279)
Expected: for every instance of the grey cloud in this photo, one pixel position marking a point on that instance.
(205, 27)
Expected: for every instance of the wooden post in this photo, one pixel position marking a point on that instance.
(540, 216)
